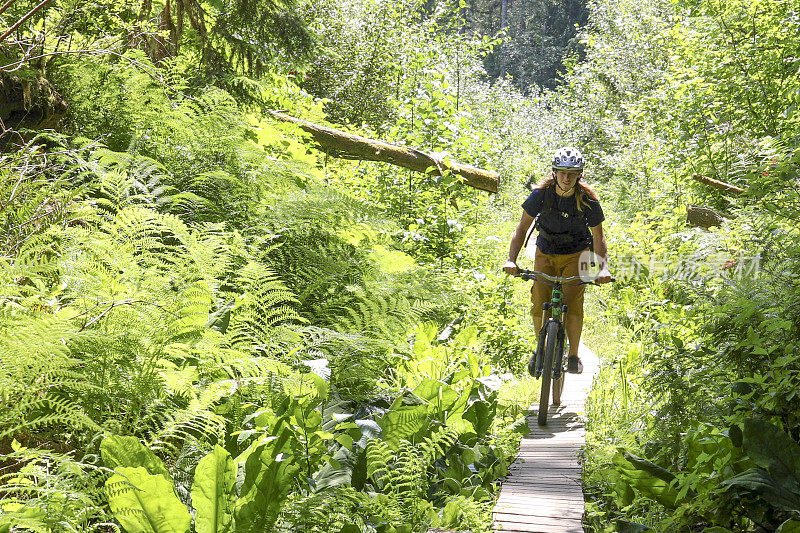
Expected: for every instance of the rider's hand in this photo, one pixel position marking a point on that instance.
(511, 268)
(603, 277)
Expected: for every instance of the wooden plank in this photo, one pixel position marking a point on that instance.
(551, 487)
(543, 498)
(554, 508)
(543, 492)
(570, 467)
(540, 507)
(536, 514)
(567, 471)
(547, 490)
(524, 506)
(541, 525)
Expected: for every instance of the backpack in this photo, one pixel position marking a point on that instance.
(548, 206)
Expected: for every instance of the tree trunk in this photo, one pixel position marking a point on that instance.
(30, 103)
(345, 145)
(503, 26)
(721, 185)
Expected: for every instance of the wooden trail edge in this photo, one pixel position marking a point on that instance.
(349, 146)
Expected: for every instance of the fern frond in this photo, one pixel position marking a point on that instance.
(63, 490)
(265, 303)
(195, 423)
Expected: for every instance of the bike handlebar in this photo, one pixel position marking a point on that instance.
(535, 275)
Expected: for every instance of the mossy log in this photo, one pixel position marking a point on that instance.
(346, 145)
(703, 217)
(29, 103)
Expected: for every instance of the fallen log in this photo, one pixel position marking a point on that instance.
(30, 103)
(703, 217)
(346, 145)
(721, 185)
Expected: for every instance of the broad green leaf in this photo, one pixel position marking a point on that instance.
(269, 473)
(213, 492)
(467, 337)
(336, 473)
(649, 479)
(146, 503)
(461, 426)
(307, 388)
(424, 336)
(119, 451)
(624, 526)
(759, 481)
(221, 318)
(444, 399)
(622, 489)
(404, 419)
(771, 448)
(521, 426)
(790, 526)
(345, 440)
(481, 414)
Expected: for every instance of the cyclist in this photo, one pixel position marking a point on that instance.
(567, 214)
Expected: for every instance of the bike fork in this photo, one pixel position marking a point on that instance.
(539, 356)
(559, 354)
(536, 361)
(560, 345)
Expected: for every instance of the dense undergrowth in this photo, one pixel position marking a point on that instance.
(692, 423)
(205, 325)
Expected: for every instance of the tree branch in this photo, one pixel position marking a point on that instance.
(23, 19)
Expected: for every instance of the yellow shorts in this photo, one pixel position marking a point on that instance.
(558, 265)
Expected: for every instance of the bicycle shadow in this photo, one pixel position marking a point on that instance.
(567, 421)
(561, 420)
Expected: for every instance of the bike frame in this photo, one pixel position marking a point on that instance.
(549, 355)
(553, 311)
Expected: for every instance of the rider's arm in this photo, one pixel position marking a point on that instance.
(517, 240)
(601, 250)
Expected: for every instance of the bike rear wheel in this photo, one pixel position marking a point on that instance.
(547, 371)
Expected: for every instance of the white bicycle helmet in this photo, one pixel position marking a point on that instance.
(568, 158)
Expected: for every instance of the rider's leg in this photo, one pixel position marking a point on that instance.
(558, 386)
(540, 292)
(573, 297)
(574, 327)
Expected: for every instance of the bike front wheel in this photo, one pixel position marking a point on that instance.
(549, 356)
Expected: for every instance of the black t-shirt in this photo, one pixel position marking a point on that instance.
(564, 229)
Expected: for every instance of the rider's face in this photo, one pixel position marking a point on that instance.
(567, 178)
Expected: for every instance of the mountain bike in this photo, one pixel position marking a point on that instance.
(546, 362)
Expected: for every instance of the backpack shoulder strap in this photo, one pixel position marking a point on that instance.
(548, 203)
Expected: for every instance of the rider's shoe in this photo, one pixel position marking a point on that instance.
(574, 365)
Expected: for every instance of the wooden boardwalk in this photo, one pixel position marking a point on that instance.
(543, 490)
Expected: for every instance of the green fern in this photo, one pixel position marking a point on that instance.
(35, 192)
(37, 376)
(43, 490)
(264, 304)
